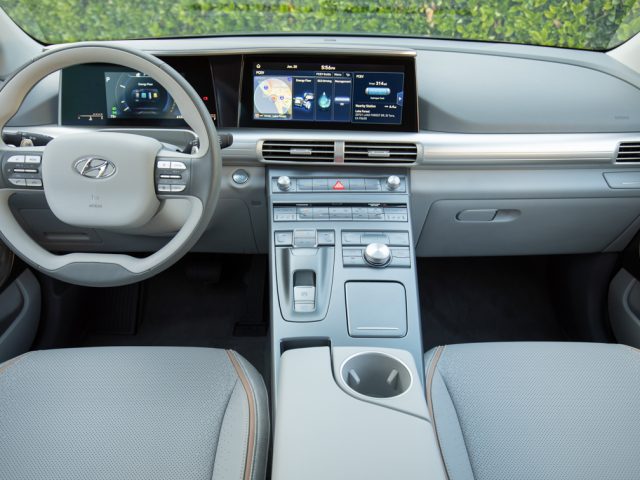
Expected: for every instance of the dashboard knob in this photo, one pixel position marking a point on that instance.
(284, 183)
(393, 182)
(377, 254)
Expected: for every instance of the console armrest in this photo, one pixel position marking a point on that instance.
(323, 432)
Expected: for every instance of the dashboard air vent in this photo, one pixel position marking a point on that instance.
(628, 152)
(298, 151)
(355, 152)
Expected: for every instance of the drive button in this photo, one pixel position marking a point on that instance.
(326, 237)
(304, 238)
(284, 239)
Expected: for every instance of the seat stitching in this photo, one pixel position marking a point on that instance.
(464, 441)
(431, 373)
(226, 409)
(633, 349)
(248, 389)
(254, 459)
(13, 362)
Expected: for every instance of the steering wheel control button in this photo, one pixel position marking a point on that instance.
(172, 176)
(377, 254)
(16, 159)
(32, 159)
(18, 182)
(284, 239)
(240, 177)
(34, 182)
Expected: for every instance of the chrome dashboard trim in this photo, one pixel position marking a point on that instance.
(434, 148)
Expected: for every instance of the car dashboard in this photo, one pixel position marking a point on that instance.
(506, 149)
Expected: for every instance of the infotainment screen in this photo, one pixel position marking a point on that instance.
(329, 93)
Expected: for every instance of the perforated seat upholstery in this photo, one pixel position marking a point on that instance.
(132, 413)
(542, 411)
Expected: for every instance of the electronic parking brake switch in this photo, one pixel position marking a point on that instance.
(304, 291)
(304, 281)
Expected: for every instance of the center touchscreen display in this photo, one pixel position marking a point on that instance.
(325, 92)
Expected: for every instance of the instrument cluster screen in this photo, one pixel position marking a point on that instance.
(136, 95)
(111, 95)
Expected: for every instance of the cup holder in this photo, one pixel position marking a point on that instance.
(376, 375)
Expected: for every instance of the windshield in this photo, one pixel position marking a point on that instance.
(583, 24)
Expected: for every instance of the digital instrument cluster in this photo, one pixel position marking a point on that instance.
(110, 95)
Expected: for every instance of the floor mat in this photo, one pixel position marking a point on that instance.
(198, 302)
(486, 299)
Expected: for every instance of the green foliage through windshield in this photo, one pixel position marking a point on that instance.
(586, 24)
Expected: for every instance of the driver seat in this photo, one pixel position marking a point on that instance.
(134, 413)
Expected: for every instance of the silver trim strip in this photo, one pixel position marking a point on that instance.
(434, 148)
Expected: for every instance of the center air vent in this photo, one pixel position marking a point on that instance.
(628, 152)
(356, 152)
(297, 151)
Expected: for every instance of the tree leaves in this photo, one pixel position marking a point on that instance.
(587, 24)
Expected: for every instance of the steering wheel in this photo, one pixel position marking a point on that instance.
(108, 180)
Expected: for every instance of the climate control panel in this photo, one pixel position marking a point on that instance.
(341, 212)
(379, 184)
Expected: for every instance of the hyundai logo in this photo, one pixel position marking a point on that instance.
(94, 167)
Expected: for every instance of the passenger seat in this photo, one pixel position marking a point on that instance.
(505, 411)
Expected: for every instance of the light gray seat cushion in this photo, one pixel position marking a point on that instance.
(542, 411)
(132, 413)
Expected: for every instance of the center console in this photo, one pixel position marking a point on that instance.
(342, 261)
(348, 384)
(348, 387)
